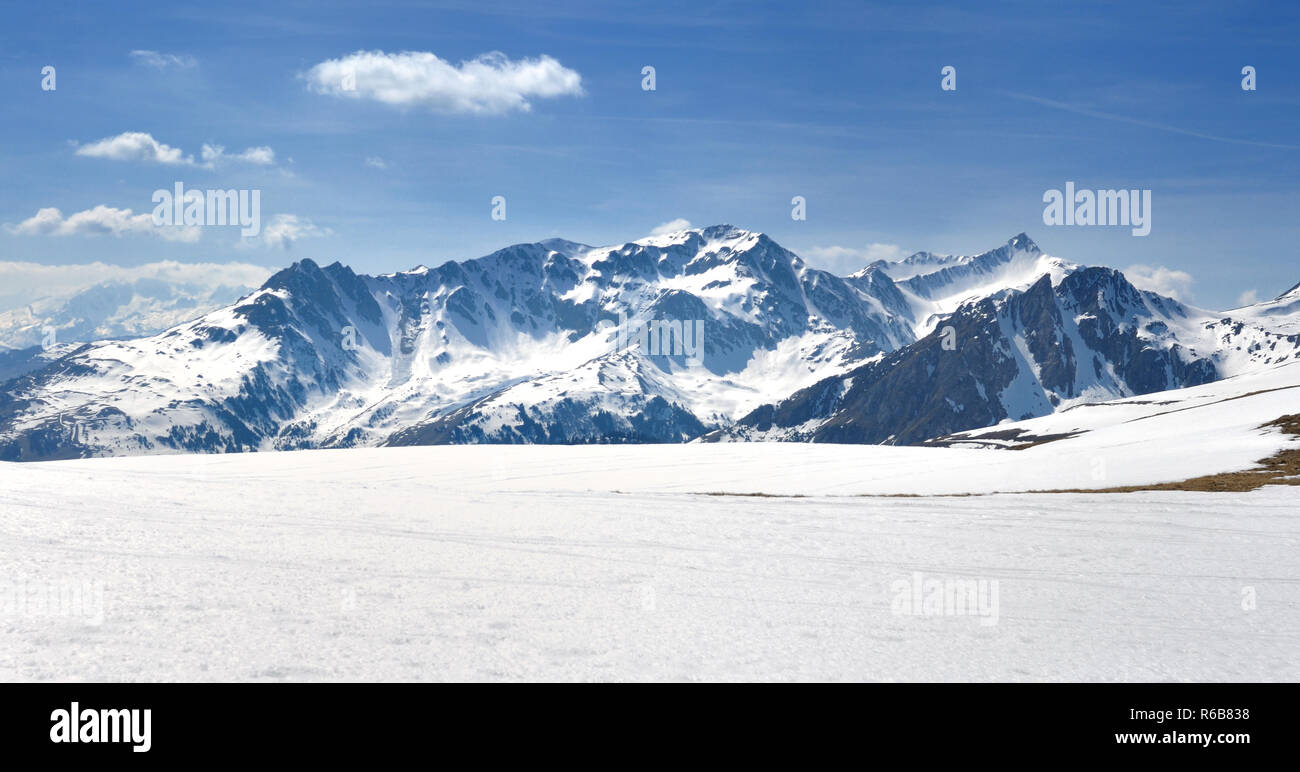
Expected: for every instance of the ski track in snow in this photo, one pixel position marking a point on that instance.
(423, 564)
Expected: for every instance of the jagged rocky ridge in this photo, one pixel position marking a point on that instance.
(522, 346)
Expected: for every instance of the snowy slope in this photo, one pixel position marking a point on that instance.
(1022, 353)
(1207, 429)
(936, 285)
(1281, 314)
(524, 346)
(606, 563)
(347, 360)
(771, 324)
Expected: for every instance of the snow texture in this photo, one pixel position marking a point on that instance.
(609, 563)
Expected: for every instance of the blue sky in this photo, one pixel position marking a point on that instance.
(754, 103)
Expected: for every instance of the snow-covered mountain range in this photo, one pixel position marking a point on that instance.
(715, 334)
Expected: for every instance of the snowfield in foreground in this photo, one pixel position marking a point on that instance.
(250, 570)
(611, 563)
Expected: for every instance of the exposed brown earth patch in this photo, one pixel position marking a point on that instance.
(1282, 468)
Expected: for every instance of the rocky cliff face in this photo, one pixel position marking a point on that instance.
(1015, 355)
(716, 333)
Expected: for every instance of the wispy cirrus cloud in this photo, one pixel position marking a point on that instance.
(142, 147)
(100, 221)
(162, 61)
(489, 84)
(1091, 113)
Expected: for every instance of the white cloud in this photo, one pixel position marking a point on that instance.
(845, 260)
(134, 146)
(1161, 280)
(259, 156)
(24, 282)
(163, 61)
(487, 84)
(101, 220)
(376, 162)
(141, 146)
(1248, 298)
(672, 226)
(284, 230)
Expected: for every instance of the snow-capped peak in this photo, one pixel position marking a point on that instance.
(923, 263)
(548, 342)
(713, 235)
(935, 285)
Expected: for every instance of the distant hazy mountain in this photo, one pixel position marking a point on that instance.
(115, 309)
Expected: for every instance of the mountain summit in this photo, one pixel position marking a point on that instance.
(715, 332)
